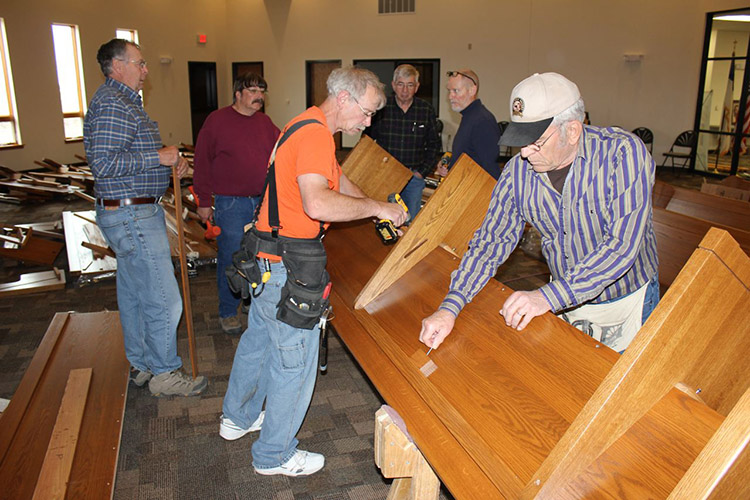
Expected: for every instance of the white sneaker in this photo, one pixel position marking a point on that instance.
(231, 431)
(302, 463)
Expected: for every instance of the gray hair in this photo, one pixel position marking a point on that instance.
(575, 112)
(355, 81)
(113, 49)
(406, 71)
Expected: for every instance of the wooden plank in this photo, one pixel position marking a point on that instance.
(34, 282)
(645, 462)
(716, 209)
(92, 340)
(36, 250)
(699, 335)
(53, 479)
(374, 170)
(451, 216)
(722, 470)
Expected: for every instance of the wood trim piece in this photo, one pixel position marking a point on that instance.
(53, 479)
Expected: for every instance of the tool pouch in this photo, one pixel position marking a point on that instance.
(302, 300)
(243, 271)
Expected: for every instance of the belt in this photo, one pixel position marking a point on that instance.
(126, 202)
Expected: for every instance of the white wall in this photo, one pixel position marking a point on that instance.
(502, 40)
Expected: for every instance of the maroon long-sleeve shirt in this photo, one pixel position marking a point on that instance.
(231, 155)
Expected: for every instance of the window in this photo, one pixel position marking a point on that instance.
(127, 34)
(70, 78)
(10, 133)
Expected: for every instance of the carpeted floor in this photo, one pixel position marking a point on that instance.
(170, 447)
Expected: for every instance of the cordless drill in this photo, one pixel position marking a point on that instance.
(385, 227)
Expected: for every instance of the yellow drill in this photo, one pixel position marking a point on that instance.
(385, 227)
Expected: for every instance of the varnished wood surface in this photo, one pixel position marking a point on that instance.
(34, 282)
(500, 401)
(36, 250)
(72, 341)
(715, 209)
(458, 205)
(677, 237)
(504, 398)
(374, 170)
(649, 460)
(699, 335)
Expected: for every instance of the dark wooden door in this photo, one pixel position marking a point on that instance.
(203, 97)
(316, 76)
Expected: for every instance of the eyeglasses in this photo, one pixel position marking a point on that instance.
(255, 90)
(538, 145)
(409, 85)
(368, 114)
(456, 73)
(140, 63)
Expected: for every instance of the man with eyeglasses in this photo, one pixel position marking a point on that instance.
(588, 192)
(478, 133)
(231, 157)
(406, 128)
(277, 357)
(131, 171)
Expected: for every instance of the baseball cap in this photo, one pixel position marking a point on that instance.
(534, 103)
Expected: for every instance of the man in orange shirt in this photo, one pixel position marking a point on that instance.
(276, 359)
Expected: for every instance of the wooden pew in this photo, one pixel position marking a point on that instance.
(715, 209)
(677, 237)
(73, 341)
(491, 417)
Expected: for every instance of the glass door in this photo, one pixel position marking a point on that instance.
(723, 112)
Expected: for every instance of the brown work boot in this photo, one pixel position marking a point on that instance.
(231, 325)
(176, 383)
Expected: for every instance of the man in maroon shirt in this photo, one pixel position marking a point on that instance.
(231, 158)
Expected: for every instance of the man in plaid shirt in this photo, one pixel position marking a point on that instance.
(406, 128)
(132, 170)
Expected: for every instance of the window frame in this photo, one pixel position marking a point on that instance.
(78, 72)
(10, 94)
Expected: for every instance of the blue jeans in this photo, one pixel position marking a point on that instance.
(651, 298)
(412, 195)
(231, 214)
(147, 291)
(277, 363)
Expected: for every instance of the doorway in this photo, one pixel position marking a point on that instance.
(316, 75)
(722, 118)
(203, 97)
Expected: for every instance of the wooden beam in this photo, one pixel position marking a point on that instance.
(55, 473)
(450, 217)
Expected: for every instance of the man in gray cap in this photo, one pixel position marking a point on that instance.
(587, 190)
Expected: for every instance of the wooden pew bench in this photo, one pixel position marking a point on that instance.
(73, 343)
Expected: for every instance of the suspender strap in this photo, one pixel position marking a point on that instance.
(273, 202)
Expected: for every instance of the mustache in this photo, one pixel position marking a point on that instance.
(259, 101)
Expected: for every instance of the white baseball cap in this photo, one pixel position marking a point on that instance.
(534, 103)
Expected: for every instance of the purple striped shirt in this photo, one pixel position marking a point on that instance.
(597, 236)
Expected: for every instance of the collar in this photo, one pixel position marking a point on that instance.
(124, 89)
(475, 105)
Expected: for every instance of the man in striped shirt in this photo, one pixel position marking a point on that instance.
(588, 192)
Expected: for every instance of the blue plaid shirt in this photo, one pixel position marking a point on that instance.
(121, 145)
(597, 235)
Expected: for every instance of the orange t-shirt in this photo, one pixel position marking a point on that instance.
(309, 150)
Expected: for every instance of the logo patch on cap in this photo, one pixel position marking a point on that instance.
(518, 106)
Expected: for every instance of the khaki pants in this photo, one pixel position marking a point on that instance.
(614, 324)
